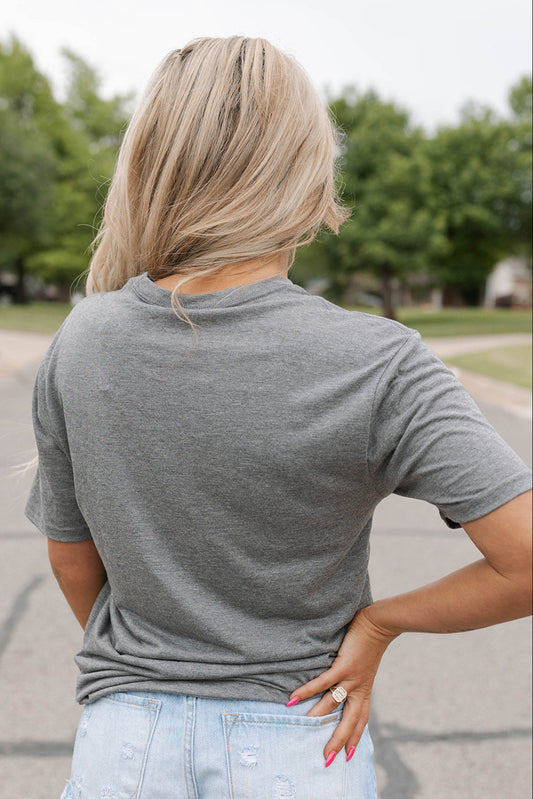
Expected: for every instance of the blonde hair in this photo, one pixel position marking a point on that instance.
(229, 157)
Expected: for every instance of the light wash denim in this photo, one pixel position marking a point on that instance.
(144, 745)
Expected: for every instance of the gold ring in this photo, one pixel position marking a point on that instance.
(339, 693)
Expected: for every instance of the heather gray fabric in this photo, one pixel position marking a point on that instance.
(230, 491)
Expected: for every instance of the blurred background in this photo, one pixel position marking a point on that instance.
(435, 162)
(435, 103)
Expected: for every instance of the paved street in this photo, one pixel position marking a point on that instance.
(451, 714)
(448, 346)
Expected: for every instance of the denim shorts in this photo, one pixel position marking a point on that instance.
(148, 745)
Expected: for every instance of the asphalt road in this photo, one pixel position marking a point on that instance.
(451, 714)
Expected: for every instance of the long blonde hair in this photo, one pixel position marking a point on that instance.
(229, 157)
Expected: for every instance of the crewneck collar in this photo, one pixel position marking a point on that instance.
(144, 286)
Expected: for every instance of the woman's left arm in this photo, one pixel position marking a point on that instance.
(490, 591)
(79, 570)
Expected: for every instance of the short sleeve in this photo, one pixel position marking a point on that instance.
(428, 440)
(52, 506)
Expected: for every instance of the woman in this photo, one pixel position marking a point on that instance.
(213, 441)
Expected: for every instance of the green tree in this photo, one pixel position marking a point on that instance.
(481, 186)
(95, 126)
(28, 166)
(102, 121)
(386, 180)
(77, 142)
(521, 100)
(520, 142)
(32, 142)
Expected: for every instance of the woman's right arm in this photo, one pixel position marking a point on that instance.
(489, 591)
(495, 589)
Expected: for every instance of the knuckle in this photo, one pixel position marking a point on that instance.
(337, 741)
(352, 740)
(341, 673)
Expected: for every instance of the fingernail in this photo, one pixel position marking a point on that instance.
(294, 701)
(350, 754)
(330, 758)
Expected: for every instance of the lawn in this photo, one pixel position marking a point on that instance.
(463, 321)
(46, 317)
(37, 317)
(466, 321)
(512, 364)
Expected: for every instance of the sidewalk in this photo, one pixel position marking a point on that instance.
(20, 349)
(448, 346)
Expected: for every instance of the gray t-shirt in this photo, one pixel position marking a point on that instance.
(230, 490)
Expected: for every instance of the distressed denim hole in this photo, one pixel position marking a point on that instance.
(108, 792)
(127, 751)
(248, 756)
(283, 788)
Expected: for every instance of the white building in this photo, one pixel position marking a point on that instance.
(509, 284)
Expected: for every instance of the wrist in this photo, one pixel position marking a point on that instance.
(376, 618)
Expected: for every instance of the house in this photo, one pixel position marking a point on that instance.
(509, 284)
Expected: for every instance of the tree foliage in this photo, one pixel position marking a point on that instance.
(55, 162)
(481, 177)
(441, 209)
(446, 207)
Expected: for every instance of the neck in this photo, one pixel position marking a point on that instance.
(232, 275)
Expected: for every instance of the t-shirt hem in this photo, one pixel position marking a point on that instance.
(72, 535)
(490, 502)
(221, 690)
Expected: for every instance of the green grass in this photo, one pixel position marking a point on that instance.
(466, 321)
(463, 321)
(37, 317)
(512, 364)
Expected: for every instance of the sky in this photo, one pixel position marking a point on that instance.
(428, 56)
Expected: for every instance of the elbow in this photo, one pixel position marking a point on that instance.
(71, 558)
(519, 587)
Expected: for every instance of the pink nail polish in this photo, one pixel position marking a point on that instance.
(330, 758)
(350, 754)
(294, 701)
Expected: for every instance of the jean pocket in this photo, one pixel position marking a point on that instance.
(281, 757)
(112, 746)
